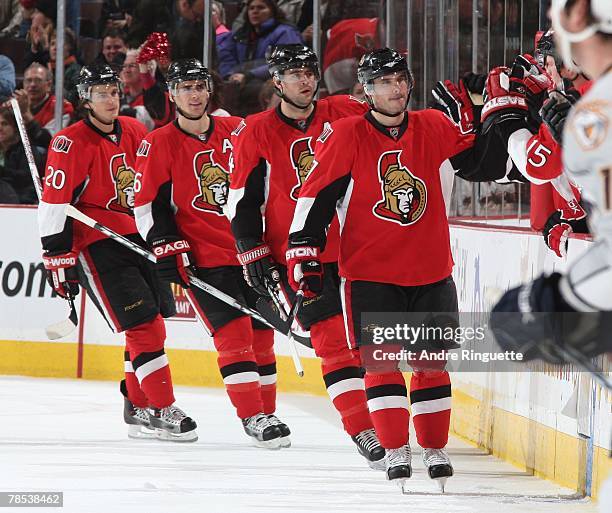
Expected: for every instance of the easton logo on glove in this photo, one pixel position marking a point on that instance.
(504, 101)
(170, 248)
(302, 252)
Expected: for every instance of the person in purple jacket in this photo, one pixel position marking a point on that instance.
(242, 56)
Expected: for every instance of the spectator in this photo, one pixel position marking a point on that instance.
(144, 97)
(71, 67)
(218, 21)
(149, 16)
(11, 16)
(38, 135)
(215, 103)
(242, 56)
(7, 77)
(38, 37)
(14, 170)
(268, 99)
(117, 14)
(113, 43)
(357, 91)
(37, 82)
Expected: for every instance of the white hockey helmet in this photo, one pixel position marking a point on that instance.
(602, 14)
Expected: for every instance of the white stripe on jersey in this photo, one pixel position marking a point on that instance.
(233, 198)
(343, 204)
(517, 149)
(300, 214)
(144, 219)
(51, 218)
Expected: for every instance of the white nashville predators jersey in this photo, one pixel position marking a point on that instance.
(587, 159)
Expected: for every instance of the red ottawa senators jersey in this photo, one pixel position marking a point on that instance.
(272, 157)
(386, 185)
(184, 189)
(94, 172)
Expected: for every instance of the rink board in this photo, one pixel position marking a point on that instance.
(515, 416)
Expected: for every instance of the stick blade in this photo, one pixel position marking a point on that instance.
(63, 328)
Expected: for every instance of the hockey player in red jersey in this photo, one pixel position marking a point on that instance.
(91, 165)
(183, 185)
(384, 173)
(272, 155)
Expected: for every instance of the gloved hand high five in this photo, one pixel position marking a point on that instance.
(304, 267)
(61, 273)
(504, 97)
(174, 258)
(456, 103)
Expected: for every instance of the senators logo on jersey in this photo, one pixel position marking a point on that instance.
(123, 177)
(404, 195)
(61, 144)
(213, 181)
(302, 156)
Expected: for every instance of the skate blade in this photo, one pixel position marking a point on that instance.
(136, 431)
(441, 482)
(402, 483)
(285, 442)
(274, 444)
(190, 436)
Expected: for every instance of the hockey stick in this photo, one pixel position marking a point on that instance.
(288, 318)
(63, 328)
(213, 291)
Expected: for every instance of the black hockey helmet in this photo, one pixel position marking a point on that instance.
(380, 62)
(188, 69)
(283, 57)
(545, 47)
(95, 74)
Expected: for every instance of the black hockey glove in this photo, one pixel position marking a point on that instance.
(474, 82)
(260, 271)
(174, 259)
(62, 273)
(554, 114)
(456, 103)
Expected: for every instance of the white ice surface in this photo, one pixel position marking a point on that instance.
(68, 435)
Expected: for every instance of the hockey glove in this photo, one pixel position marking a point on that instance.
(260, 271)
(456, 104)
(61, 273)
(304, 267)
(174, 259)
(560, 225)
(529, 319)
(474, 83)
(555, 112)
(504, 98)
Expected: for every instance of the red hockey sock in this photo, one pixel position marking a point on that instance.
(430, 397)
(134, 393)
(263, 347)
(234, 343)
(146, 345)
(388, 406)
(341, 373)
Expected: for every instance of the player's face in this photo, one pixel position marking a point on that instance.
(390, 92)
(191, 97)
(104, 102)
(299, 85)
(404, 199)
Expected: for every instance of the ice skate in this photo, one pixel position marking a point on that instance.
(438, 466)
(369, 447)
(172, 424)
(262, 431)
(285, 441)
(398, 465)
(137, 419)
